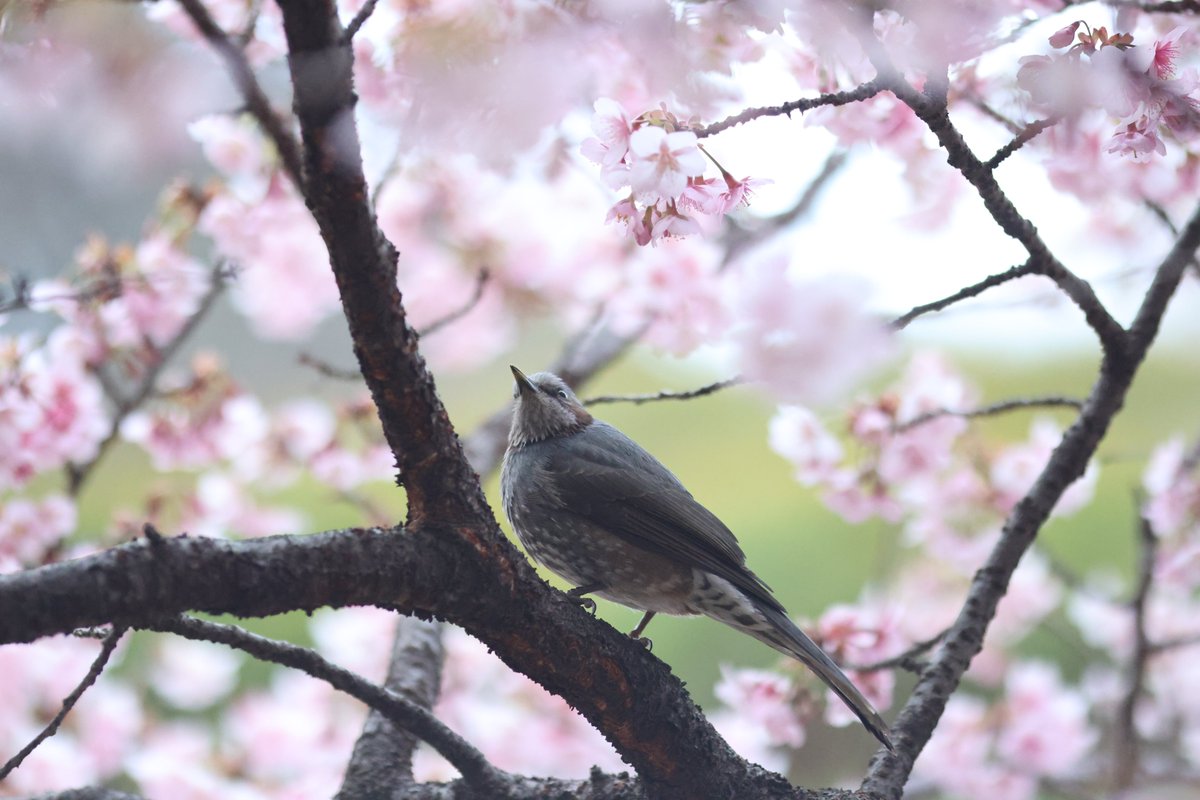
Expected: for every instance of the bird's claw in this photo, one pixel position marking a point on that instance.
(586, 603)
(644, 641)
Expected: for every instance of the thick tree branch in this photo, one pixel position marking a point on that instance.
(431, 464)
(428, 569)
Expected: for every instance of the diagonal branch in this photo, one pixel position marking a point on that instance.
(106, 651)
(400, 711)
(77, 474)
(382, 758)
(257, 102)
(931, 108)
(868, 89)
(964, 639)
(974, 290)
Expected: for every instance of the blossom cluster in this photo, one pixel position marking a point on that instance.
(663, 164)
(1139, 85)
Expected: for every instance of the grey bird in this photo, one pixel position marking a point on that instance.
(596, 508)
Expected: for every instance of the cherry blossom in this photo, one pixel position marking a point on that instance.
(807, 342)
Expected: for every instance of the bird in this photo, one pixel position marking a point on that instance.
(597, 509)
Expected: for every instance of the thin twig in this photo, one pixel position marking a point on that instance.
(739, 237)
(638, 399)
(868, 89)
(106, 651)
(930, 106)
(1051, 401)
(361, 17)
(480, 284)
(257, 102)
(1125, 737)
(404, 713)
(909, 660)
(77, 474)
(1027, 133)
(1019, 271)
(327, 369)
(1173, 643)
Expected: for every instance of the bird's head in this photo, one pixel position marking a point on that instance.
(546, 408)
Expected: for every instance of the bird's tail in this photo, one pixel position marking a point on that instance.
(784, 636)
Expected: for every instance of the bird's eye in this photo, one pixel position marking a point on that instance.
(562, 394)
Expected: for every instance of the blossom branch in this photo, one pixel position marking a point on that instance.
(364, 14)
(98, 664)
(328, 370)
(638, 399)
(739, 238)
(481, 281)
(1027, 134)
(868, 89)
(1068, 461)
(1053, 401)
(1125, 738)
(399, 710)
(974, 290)
(257, 102)
(909, 661)
(125, 404)
(931, 107)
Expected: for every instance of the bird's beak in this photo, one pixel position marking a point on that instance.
(523, 384)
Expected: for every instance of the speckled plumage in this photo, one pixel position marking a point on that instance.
(593, 506)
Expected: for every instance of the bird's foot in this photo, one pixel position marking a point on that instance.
(644, 641)
(586, 603)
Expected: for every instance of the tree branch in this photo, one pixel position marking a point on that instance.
(257, 102)
(992, 409)
(931, 107)
(1125, 736)
(868, 89)
(399, 710)
(924, 708)
(382, 757)
(106, 651)
(1026, 135)
(1019, 271)
(638, 399)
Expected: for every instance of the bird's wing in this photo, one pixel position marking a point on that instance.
(605, 477)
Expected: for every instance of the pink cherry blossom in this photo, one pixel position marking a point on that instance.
(767, 698)
(192, 675)
(51, 409)
(284, 286)
(29, 529)
(1046, 730)
(612, 128)
(806, 342)
(796, 434)
(1015, 469)
(662, 162)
